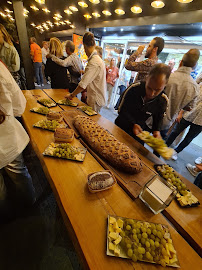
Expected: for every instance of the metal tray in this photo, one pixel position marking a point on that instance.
(74, 104)
(81, 149)
(122, 251)
(32, 110)
(184, 206)
(53, 104)
(86, 112)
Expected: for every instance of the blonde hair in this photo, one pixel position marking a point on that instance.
(5, 35)
(56, 47)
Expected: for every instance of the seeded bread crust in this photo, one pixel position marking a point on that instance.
(105, 144)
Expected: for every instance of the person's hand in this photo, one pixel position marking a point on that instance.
(179, 117)
(137, 129)
(69, 96)
(157, 134)
(140, 49)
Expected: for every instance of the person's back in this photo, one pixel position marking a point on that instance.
(58, 75)
(36, 52)
(181, 89)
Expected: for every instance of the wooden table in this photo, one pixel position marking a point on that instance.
(187, 221)
(85, 214)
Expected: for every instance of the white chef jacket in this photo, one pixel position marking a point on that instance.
(94, 80)
(13, 137)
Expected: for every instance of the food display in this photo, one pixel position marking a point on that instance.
(105, 144)
(88, 110)
(54, 116)
(48, 124)
(140, 241)
(157, 144)
(100, 181)
(65, 151)
(40, 110)
(184, 197)
(67, 102)
(64, 135)
(47, 102)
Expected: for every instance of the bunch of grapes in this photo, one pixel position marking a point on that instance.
(48, 124)
(171, 176)
(43, 110)
(88, 109)
(65, 150)
(146, 241)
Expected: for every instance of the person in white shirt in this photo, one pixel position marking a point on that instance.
(94, 78)
(13, 140)
(45, 51)
(181, 90)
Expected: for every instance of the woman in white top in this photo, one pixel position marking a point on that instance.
(13, 140)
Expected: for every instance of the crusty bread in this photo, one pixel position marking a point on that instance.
(105, 144)
(64, 135)
(52, 115)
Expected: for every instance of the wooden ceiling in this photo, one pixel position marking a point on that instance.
(58, 6)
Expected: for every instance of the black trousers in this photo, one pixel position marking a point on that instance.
(194, 130)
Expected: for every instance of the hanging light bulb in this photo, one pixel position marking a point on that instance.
(40, 1)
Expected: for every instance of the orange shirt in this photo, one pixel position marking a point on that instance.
(36, 52)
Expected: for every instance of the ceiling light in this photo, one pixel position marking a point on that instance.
(108, 0)
(136, 9)
(49, 22)
(67, 21)
(8, 10)
(185, 1)
(25, 10)
(106, 12)
(2, 14)
(68, 11)
(9, 2)
(157, 4)
(82, 4)
(56, 18)
(73, 8)
(34, 8)
(58, 15)
(153, 27)
(95, 1)
(25, 15)
(12, 19)
(56, 23)
(63, 23)
(8, 15)
(40, 1)
(87, 16)
(46, 10)
(104, 30)
(72, 26)
(33, 24)
(119, 11)
(95, 14)
(121, 29)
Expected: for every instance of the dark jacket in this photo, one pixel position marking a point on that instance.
(58, 75)
(133, 109)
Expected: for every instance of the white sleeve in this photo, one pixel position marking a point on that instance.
(91, 72)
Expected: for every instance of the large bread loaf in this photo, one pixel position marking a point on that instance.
(105, 144)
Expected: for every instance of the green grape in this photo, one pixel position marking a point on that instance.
(156, 244)
(159, 234)
(163, 241)
(130, 252)
(128, 227)
(153, 247)
(152, 237)
(143, 230)
(130, 221)
(144, 235)
(138, 225)
(151, 242)
(140, 257)
(137, 240)
(148, 231)
(139, 236)
(129, 246)
(135, 236)
(148, 255)
(158, 227)
(157, 239)
(154, 232)
(143, 241)
(134, 231)
(147, 244)
(134, 258)
(164, 252)
(137, 230)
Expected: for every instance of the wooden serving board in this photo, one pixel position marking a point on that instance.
(132, 184)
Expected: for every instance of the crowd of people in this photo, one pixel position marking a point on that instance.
(158, 100)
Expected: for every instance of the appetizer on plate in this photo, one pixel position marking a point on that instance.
(88, 110)
(40, 110)
(48, 124)
(67, 102)
(47, 102)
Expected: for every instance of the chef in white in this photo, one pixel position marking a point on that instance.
(13, 140)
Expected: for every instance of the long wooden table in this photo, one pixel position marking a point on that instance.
(85, 214)
(188, 221)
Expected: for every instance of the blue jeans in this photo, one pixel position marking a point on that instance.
(19, 186)
(194, 130)
(38, 72)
